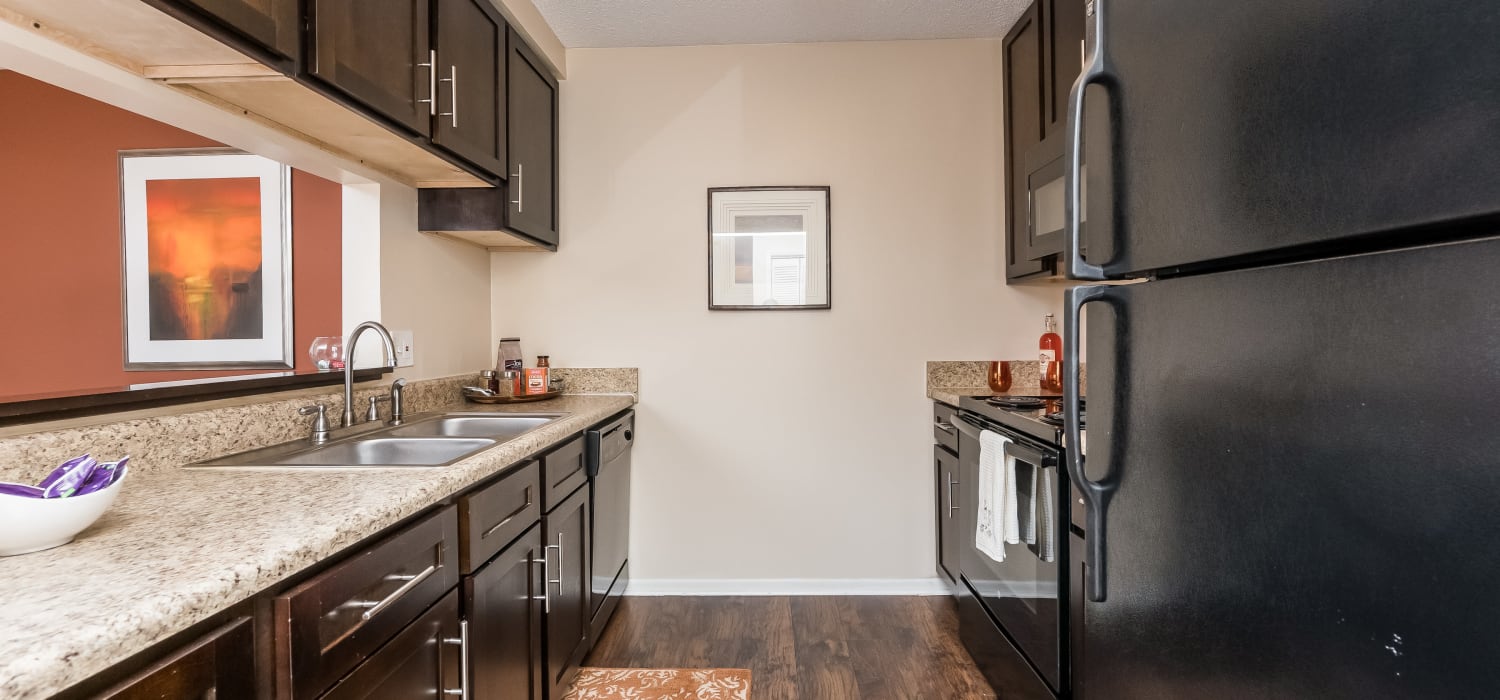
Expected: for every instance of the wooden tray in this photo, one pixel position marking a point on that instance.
(512, 399)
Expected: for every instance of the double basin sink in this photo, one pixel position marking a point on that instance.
(424, 441)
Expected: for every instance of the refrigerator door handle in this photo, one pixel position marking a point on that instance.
(1096, 494)
(1093, 72)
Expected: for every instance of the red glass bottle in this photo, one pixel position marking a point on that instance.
(1051, 357)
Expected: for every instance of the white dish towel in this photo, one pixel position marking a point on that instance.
(998, 523)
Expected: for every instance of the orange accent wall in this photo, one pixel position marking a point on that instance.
(61, 287)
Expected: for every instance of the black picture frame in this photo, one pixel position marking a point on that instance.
(827, 193)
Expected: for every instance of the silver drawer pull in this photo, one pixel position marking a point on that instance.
(944, 426)
(383, 603)
(463, 660)
(510, 517)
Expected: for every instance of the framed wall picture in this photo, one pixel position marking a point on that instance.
(207, 260)
(768, 248)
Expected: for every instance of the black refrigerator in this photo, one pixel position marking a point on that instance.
(1292, 463)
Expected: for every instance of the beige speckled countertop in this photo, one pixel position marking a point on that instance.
(181, 545)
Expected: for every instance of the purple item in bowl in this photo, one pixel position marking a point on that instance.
(68, 483)
(61, 470)
(23, 490)
(105, 474)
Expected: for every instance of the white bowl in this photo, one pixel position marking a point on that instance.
(34, 524)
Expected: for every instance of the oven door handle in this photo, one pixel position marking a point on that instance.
(1022, 453)
(966, 426)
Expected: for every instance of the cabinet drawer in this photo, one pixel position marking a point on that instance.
(563, 471)
(943, 432)
(493, 516)
(331, 622)
(220, 665)
(425, 660)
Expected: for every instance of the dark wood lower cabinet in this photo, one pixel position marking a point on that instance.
(504, 608)
(424, 660)
(220, 665)
(945, 467)
(566, 544)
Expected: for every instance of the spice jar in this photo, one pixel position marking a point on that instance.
(490, 381)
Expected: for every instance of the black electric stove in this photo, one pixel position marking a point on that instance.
(1037, 415)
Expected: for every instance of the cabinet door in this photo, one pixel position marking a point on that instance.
(330, 623)
(567, 549)
(946, 467)
(424, 660)
(505, 607)
(221, 665)
(377, 52)
(471, 60)
(269, 25)
(1064, 20)
(1024, 117)
(533, 145)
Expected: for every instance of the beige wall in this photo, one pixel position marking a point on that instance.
(778, 445)
(437, 288)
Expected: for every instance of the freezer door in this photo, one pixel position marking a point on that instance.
(1248, 127)
(1301, 466)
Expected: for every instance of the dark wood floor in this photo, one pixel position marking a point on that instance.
(802, 648)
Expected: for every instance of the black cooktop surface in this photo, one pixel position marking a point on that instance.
(1039, 416)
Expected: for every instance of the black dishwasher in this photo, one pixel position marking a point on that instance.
(608, 450)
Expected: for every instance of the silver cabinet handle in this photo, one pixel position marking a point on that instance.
(395, 595)
(559, 546)
(546, 580)
(951, 484)
(510, 517)
(463, 660)
(520, 199)
(1093, 72)
(431, 66)
(944, 426)
(452, 81)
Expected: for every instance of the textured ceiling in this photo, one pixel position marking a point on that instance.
(617, 23)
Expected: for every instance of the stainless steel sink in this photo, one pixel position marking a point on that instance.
(432, 440)
(479, 425)
(388, 452)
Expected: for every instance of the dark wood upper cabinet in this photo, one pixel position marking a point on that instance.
(470, 38)
(1064, 20)
(533, 144)
(220, 665)
(505, 611)
(566, 544)
(270, 29)
(424, 660)
(1044, 53)
(378, 52)
(1024, 116)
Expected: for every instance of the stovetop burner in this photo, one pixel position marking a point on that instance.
(1016, 402)
(1056, 418)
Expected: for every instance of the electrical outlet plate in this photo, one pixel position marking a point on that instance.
(405, 354)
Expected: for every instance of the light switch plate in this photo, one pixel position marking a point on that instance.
(406, 356)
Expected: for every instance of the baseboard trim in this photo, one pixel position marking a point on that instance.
(787, 586)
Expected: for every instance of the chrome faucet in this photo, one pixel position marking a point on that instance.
(390, 356)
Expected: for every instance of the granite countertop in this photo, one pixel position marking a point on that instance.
(180, 545)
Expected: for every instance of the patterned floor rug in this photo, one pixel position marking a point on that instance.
(661, 684)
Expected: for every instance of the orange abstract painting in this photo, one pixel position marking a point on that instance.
(204, 258)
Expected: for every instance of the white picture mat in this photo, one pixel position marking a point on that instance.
(273, 348)
(811, 205)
